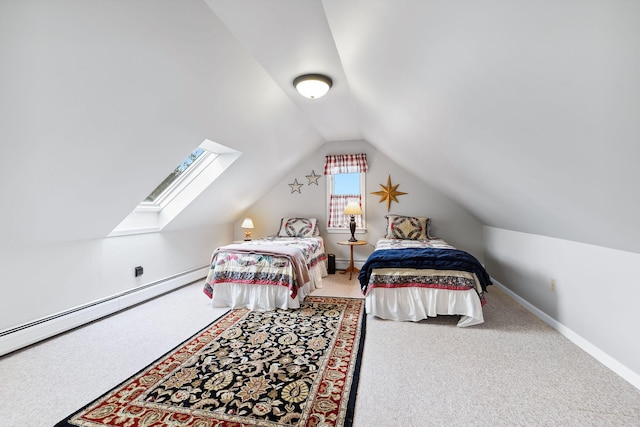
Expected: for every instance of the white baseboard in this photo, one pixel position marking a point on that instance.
(24, 335)
(627, 374)
(342, 264)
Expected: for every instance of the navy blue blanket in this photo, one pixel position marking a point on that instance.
(423, 258)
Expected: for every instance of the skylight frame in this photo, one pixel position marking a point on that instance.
(150, 217)
(180, 183)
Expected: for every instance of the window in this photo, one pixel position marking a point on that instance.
(345, 183)
(178, 175)
(182, 186)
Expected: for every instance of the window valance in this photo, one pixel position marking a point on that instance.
(345, 163)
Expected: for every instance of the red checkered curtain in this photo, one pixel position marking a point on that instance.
(338, 202)
(345, 163)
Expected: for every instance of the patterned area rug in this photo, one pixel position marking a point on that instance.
(276, 368)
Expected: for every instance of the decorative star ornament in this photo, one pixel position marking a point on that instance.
(389, 193)
(295, 186)
(313, 178)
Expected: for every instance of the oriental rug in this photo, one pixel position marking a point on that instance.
(276, 368)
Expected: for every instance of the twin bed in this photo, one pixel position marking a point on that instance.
(410, 276)
(414, 280)
(270, 273)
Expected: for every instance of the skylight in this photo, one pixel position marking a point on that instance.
(174, 176)
(181, 187)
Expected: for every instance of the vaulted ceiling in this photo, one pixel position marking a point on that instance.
(526, 113)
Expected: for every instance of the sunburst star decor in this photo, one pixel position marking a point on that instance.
(389, 193)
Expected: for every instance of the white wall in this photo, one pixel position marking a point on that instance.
(449, 220)
(597, 289)
(40, 281)
(100, 101)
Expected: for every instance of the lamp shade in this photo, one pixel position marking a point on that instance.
(312, 86)
(353, 208)
(247, 223)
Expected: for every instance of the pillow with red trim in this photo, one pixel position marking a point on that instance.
(407, 227)
(298, 227)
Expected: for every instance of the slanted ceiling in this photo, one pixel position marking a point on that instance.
(526, 113)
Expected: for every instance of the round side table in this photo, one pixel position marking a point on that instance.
(352, 268)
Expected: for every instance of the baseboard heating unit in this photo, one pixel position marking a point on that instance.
(32, 332)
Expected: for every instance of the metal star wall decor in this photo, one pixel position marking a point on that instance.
(389, 193)
(313, 178)
(295, 186)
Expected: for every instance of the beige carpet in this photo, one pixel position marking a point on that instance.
(513, 370)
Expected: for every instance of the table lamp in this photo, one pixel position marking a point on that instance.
(353, 208)
(247, 224)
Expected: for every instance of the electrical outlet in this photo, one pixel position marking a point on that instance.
(553, 285)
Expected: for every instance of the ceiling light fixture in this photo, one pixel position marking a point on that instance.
(312, 86)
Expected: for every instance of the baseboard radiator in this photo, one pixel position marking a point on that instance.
(30, 333)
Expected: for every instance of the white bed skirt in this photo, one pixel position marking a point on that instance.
(414, 304)
(265, 297)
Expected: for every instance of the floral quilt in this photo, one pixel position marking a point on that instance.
(247, 264)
